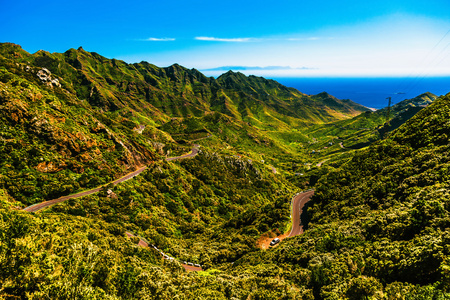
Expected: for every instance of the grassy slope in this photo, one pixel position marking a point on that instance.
(360, 131)
(370, 126)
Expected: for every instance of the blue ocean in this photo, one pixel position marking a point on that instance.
(370, 92)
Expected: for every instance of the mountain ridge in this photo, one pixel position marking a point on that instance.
(79, 110)
(378, 225)
(142, 78)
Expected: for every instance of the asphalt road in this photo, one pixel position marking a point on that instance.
(298, 202)
(42, 205)
(297, 207)
(193, 153)
(38, 206)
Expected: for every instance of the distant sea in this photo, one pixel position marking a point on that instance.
(370, 92)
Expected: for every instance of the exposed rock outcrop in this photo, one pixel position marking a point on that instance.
(46, 77)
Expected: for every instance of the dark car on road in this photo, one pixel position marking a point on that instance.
(274, 241)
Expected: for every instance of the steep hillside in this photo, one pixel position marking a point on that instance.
(175, 91)
(139, 108)
(54, 144)
(379, 224)
(379, 229)
(71, 129)
(366, 128)
(266, 103)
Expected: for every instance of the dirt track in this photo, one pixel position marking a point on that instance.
(144, 244)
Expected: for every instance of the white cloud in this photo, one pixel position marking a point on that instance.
(245, 40)
(232, 40)
(158, 39)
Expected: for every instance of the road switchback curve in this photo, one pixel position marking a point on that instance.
(298, 202)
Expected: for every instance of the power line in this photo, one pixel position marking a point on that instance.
(407, 85)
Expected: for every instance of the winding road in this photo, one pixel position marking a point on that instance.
(297, 204)
(38, 206)
(297, 207)
(193, 153)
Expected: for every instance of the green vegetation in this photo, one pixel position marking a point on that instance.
(370, 126)
(378, 224)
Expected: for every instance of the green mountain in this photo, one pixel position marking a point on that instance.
(366, 128)
(265, 102)
(79, 114)
(176, 91)
(377, 225)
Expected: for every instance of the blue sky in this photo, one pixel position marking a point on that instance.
(271, 38)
